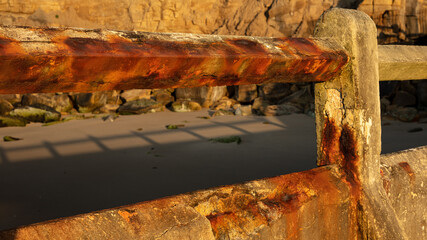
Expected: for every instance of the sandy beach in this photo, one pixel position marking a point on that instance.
(87, 165)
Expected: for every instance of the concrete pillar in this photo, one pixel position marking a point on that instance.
(348, 122)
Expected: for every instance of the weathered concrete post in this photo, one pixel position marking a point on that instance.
(349, 125)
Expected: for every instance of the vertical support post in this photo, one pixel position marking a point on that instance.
(348, 122)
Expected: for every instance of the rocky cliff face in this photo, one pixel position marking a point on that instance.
(397, 21)
(242, 17)
(274, 18)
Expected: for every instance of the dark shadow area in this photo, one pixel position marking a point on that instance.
(46, 188)
(42, 188)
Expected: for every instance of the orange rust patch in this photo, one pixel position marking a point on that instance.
(243, 213)
(408, 170)
(128, 215)
(10, 47)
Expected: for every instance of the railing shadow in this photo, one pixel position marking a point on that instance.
(71, 179)
(89, 171)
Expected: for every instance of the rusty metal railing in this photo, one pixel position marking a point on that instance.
(345, 198)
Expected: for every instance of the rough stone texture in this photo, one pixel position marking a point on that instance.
(8, 121)
(59, 102)
(237, 17)
(5, 106)
(88, 102)
(349, 124)
(404, 114)
(12, 98)
(246, 93)
(163, 96)
(140, 106)
(206, 96)
(398, 20)
(282, 109)
(135, 94)
(185, 106)
(36, 113)
(274, 92)
(306, 205)
(404, 176)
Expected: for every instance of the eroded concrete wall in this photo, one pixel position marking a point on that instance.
(404, 176)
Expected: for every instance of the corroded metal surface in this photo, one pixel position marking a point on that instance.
(62, 60)
(294, 206)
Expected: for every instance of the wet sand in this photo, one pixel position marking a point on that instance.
(87, 165)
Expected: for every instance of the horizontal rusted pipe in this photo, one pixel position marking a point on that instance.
(402, 62)
(63, 60)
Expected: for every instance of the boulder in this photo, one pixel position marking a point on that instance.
(404, 114)
(88, 102)
(140, 106)
(403, 99)
(385, 103)
(245, 110)
(185, 106)
(36, 113)
(223, 112)
(302, 96)
(206, 96)
(12, 98)
(274, 92)
(60, 102)
(5, 107)
(224, 103)
(246, 93)
(135, 94)
(282, 109)
(107, 108)
(163, 96)
(8, 121)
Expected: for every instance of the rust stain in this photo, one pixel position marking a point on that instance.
(348, 149)
(10, 47)
(132, 219)
(241, 213)
(408, 170)
(386, 185)
(330, 143)
(87, 64)
(128, 215)
(339, 146)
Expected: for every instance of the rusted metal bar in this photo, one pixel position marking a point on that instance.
(401, 62)
(305, 205)
(63, 60)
